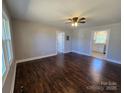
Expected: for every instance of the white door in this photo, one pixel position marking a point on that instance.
(60, 42)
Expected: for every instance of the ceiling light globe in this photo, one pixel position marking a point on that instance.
(72, 24)
(76, 24)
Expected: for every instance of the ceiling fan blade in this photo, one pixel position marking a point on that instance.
(82, 22)
(82, 18)
(70, 19)
(68, 22)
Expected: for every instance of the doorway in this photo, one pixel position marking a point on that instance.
(60, 42)
(100, 44)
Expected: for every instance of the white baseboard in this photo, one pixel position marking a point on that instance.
(80, 53)
(39, 57)
(67, 51)
(34, 58)
(114, 61)
(13, 80)
(110, 60)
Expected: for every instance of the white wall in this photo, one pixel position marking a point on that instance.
(35, 39)
(68, 46)
(81, 41)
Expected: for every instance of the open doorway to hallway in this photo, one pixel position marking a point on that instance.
(100, 44)
(60, 42)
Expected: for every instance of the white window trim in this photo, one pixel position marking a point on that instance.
(8, 65)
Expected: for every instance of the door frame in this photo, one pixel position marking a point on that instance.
(92, 41)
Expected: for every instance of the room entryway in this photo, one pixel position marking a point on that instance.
(100, 44)
(60, 41)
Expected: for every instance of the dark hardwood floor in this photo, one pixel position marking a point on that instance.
(68, 73)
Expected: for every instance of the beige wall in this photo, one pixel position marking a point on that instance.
(35, 39)
(81, 40)
(9, 80)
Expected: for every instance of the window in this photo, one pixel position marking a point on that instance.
(7, 39)
(100, 37)
(3, 64)
(6, 46)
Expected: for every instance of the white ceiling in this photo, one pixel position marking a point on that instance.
(55, 12)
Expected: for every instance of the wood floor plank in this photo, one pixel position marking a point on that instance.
(68, 73)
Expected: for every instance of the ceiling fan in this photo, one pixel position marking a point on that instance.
(76, 20)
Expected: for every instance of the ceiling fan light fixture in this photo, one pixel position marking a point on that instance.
(75, 21)
(76, 24)
(73, 24)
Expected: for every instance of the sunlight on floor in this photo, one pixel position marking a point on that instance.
(98, 55)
